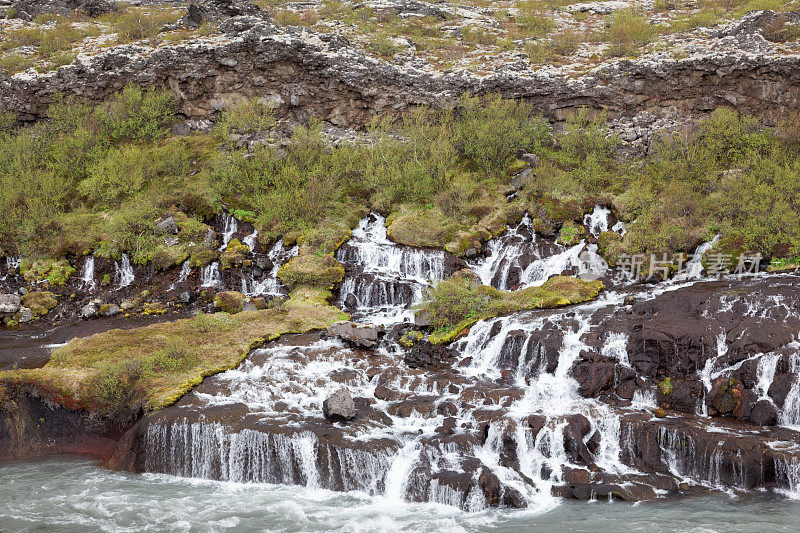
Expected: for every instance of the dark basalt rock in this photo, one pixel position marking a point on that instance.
(426, 355)
(339, 406)
(28, 9)
(594, 373)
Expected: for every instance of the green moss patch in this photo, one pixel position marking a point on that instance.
(235, 254)
(229, 301)
(56, 272)
(115, 372)
(456, 304)
(318, 271)
(40, 303)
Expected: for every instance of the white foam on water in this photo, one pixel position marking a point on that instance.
(123, 272)
(87, 275)
(230, 227)
(210, 276)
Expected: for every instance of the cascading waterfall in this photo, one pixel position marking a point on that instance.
(183, 275)
(519, 259)
(597, 220)
(251, 240)
(275, 431)
(385, 278)
(789, 416)
(123, 272)
(87, 275)
(270, 285)
(211, 276)
(230, 227)
(12, 264)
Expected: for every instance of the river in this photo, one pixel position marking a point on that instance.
(69, 494)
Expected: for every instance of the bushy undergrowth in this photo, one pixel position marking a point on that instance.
(97, 179)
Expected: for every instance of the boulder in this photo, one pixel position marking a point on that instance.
(9, 304)
(24, 315)
(109, 310)
(166, 226)
(339, 406)
(229, 301)
(350, 300)
(39, 302)
(210, 240)
(89, 311)
(359, 335)
(764, 413)
(422, 319)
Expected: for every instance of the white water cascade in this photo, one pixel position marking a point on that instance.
(210, 276)
(251, 240)
(87, 275)
(230, 227)
(519, 258)
(270, 285)
(123, 272)
(384, 279)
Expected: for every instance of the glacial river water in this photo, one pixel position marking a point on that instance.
(69, 494)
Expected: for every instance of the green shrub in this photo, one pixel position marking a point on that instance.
(628, 32)
(492, 130)
(137, 114)
(246, 116)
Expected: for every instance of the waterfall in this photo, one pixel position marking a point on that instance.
(12, 263)
(518, 258)
(230, 227)
(183, 275)
(790, 413)
(384, 279)
(251, 240)
(616, 346)
(123, 272)
(270, 285)
(211, 276)
(597, 221)
(694, 266)
(787, 469)
(87, 276)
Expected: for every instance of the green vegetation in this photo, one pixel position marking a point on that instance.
(228, 302)
(628, 31)
(116, 372)
(40, 303)
(456, 304)
(98, 179)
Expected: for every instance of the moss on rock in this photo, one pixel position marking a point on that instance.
(456, 304)
(229, 301)
(40, 303)
(56, 272)
(318, 271)
(235, 254)
(115, 372)
(570, 233)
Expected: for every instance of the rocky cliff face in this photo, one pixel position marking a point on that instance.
(305, 74)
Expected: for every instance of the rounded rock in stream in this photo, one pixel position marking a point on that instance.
(339, 406)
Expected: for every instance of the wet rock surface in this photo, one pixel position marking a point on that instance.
(652, 390)
(504, 424)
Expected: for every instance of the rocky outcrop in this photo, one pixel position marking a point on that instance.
(359, 335)
(9, 304)
(339, 406)
(31, 427)
(28, 9)
(305, 74)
